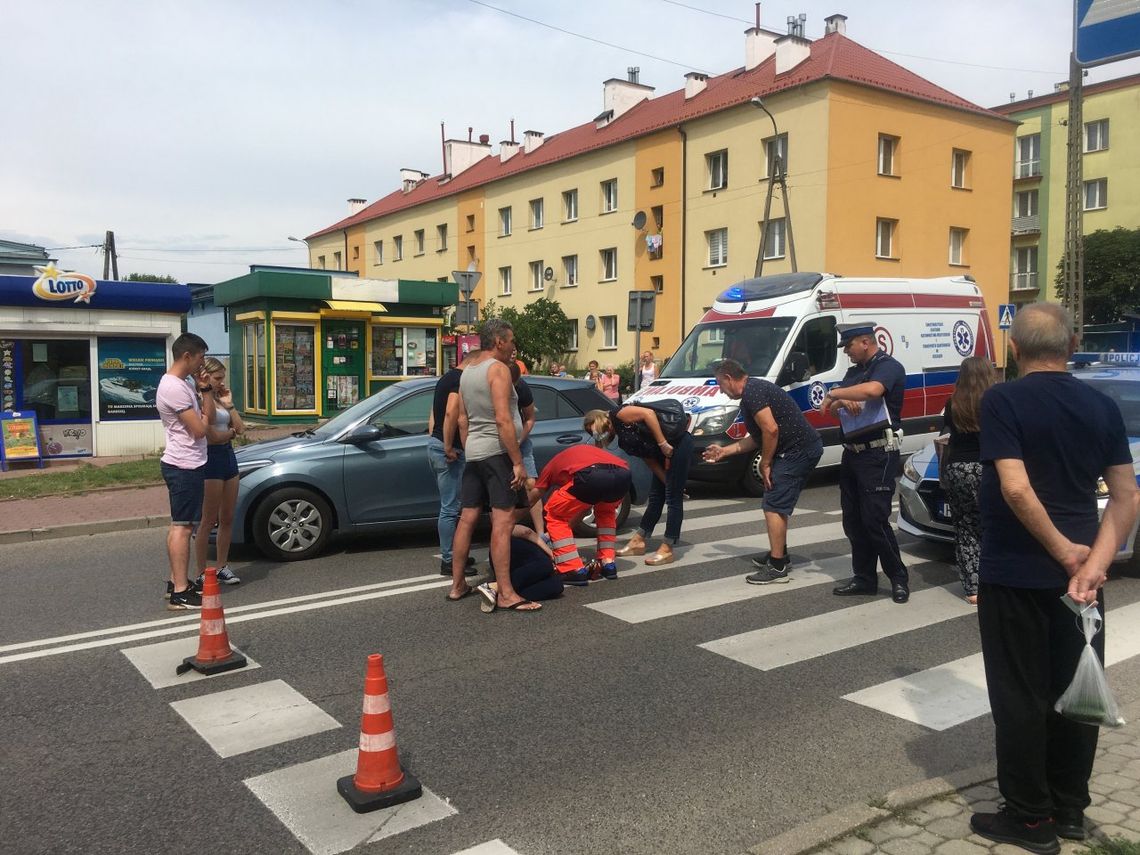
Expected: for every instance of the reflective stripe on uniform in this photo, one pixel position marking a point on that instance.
(558, 544)
(568, 557)
(612, 532)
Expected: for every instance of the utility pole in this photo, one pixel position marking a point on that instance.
(777, 175)
(110, 257)
(1074, 259)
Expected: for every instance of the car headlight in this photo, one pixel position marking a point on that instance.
(909, 472)
(245, 467)
(714, 420)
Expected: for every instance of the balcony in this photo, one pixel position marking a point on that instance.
(1030, 225)
(1024, 170)
(1023, 283)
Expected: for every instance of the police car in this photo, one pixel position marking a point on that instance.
(923, 510)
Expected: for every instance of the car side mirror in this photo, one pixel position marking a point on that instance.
(796, 369)
(362, 434)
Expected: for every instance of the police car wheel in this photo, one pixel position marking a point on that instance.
(585, 526)
(751, 481)
(292, 524)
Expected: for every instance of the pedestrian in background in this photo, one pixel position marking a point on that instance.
(1045, 440)
(789, 450)
(592, 372)
(610, 384)
(646, 370)
(960, 468)
(220, 486)
(445, 457)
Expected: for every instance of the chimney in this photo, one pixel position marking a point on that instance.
(355, 206)
(507, 150)
(410, 179)
(532, 140)
(695, 84)
(835, 24)
(632, 73)
(790, 52)
(619, 96)
(759, 44)
(460, 155)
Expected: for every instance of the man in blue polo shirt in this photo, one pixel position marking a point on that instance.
(870, 467)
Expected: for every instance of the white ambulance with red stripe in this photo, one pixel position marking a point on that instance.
(782, 328)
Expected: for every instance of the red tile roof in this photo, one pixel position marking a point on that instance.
(1063, 95)
(833, 57)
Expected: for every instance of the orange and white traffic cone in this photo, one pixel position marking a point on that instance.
(380, 781)
(214, 652)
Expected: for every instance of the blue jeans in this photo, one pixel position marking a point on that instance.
(448, 476)
(670, 494)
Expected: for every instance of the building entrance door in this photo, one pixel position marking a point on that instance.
(342, 363)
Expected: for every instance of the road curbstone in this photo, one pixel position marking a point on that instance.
(80, 529)
(813, 834)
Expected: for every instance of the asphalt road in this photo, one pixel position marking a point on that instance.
(574, 730)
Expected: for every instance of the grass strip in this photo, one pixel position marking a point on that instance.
(83, 478)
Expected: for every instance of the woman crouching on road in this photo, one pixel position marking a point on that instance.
(221, 474)
(638, 432)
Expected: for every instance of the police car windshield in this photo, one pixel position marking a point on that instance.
(753, 343)
(1126, 394)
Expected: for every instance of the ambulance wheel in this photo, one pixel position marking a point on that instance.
(292, 524)
(752, 482)
(584, 526)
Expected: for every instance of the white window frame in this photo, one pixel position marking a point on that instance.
(1031, 255)
(337, 261)
(716, 240)
(506, 283)
(536, 280)
(1095, 194)
(608, 258)
(1032, 201)
(609, 196)
(776, 238)
(957, 248)
(959, 165)
(505, 223)
(1096, 136)
(441, 236)
(570, 205)
(1028, 153)
(537, 214)
(885, 228)
(888, 155)
(470, 223)
(418, 235)
(378, 248)
(609, 332)
(398, 248)
(572, 342)
(773, 146)
(321, 262)
(716, 167)
(570, 271)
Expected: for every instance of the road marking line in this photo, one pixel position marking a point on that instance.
(156, 662)
(491, 847)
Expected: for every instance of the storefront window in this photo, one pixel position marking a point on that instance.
(129, 372)
(294, 372)
(55, 383)
(255, 366)
(404, 351)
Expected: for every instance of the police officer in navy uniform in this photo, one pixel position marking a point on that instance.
(870, 467)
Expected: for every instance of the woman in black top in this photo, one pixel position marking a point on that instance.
(962, 469)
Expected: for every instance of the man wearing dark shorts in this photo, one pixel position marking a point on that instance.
(789, 450)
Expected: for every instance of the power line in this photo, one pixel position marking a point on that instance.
(210, 249)
(81, 246)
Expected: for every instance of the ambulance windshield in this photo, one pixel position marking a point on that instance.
(754, 343)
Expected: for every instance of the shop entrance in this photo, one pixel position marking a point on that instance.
(342, 363)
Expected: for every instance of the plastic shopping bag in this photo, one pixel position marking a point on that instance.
(1088, 698)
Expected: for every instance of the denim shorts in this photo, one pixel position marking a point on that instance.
(187, 487)
(221, 462)
(526, 449)
(789, 472)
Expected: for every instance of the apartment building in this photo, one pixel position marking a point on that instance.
(887, 175)
(1110, 194)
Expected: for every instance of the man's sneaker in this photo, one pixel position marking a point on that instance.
(188, 599)
(579, 577)
(609, 571)
(196, 585)
(1070, 824)
(768, 575)
(761, 561)
(1005, 826)
(226, 576)
(169, 589)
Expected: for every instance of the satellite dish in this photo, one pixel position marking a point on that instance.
(590, 322)
(639, 220)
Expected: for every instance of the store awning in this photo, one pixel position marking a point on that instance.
(355, 306)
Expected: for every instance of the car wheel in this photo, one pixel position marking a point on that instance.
(752, 482)
(292, 524)
(584, 526)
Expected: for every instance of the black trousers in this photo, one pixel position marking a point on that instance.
(1031, 642)
(867, 481)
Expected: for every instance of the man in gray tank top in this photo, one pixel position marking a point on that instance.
(490, 426)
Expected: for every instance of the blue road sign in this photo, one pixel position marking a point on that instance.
(1006, 311)
(1105, 30)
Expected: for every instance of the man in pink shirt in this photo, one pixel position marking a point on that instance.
(185, 414)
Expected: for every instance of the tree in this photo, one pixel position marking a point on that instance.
(1112, 274)
(542, 329)
(151, 277)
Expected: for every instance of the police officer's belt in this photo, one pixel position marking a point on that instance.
(863, 446)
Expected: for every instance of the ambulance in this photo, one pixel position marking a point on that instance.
(783, 328)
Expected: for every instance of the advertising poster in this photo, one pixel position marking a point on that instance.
(66, 440)
(129, 371)
(19, 439)
(7, 375)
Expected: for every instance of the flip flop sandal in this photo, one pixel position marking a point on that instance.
(467, 593)
(518, 607)
(488, 599)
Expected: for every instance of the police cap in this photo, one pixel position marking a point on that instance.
(848, 332)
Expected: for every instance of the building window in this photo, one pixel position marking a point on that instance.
(294, 374)
(470, 256)
(1025, 269)
(1096, 135)
(536, 276)
(569, 205)
(776, 149)
(321, 262)
(398, 248)
(536, 213)
(958, 246)
(1025, 203)
(609, 196)
(609, 330)
(572, 340)
(776, 238)
(57, 384)
(504, 281)
(569, 271)
(441, 236)
(337, 261)
(885, 238)
(378, 248)
(470, 222)
(419, 239)
(716, 165)
(658, 212)
(959, 162)
(255, 393)
(356, 252)
(1096, 194)
(609, 264)
(888, 155)
(403, 352)
(1028, 156)
(717, 240)
(658, 283)
(657, 177)
(504, 221)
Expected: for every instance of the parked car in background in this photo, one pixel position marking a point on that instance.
(366, 469)
(923, 510)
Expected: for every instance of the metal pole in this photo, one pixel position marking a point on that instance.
(1074, 259)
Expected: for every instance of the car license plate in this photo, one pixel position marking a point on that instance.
(943, 510)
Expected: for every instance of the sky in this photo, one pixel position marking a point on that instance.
(205, 134)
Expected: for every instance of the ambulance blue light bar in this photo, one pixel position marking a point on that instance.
(769, 287)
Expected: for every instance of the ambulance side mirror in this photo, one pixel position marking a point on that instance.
(796, 369)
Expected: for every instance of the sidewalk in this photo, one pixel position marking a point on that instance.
(934, 816)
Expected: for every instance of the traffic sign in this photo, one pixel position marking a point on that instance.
(1006, 311)
(466, 280)
(641, 309)
(1105, 30)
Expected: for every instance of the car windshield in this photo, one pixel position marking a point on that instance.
(1126, 394)
(753, 343)
(358, 410)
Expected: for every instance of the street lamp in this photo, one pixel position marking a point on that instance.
(777, 175)
(299, 240)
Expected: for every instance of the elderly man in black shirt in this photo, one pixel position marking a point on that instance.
(790, 449)
(870, 467)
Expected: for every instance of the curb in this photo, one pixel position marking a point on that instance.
(839, 823)
(80, 529)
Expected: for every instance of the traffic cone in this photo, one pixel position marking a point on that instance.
(214, 652)
(380, 781)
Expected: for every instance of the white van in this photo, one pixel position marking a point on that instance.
(782, 328)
